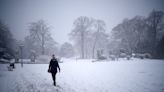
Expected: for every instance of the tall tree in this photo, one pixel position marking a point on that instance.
(39, 32)
(140, 34)
(155, 20)
(6, 40)
(79, 33)
(133, 34)
(98, 34)
(160, 48)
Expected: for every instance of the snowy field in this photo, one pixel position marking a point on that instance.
(83, 76)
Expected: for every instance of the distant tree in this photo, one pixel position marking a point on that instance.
(30, 45)
(126, 34)
(40, 36)
(98, 35)
(7, 42)
(160, 48)
(67, 50)
(132, 35)
(140, 41)
(155, 22)
(79, 33)
(139, 34)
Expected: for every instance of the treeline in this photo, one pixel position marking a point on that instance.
(138, 35)
(40, 42)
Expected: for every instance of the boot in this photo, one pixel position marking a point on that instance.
(54, 83)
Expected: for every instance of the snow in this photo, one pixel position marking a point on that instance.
(85, 76)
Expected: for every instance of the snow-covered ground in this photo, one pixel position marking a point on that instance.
(86, 76)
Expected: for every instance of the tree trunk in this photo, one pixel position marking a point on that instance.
(93, 50)
(43, 43)
(82, 45)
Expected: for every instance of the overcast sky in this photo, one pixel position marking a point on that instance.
(60, 14)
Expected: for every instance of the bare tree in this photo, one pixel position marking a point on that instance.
(131, 32)
(97, 35)
(140, 34)
(154, 21)
(39, 32)
(79, 33)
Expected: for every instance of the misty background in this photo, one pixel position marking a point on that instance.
(60, 14)
(62, 19)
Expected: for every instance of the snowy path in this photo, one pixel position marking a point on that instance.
(125, 76)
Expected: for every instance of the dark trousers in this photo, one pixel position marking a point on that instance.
(54, 78)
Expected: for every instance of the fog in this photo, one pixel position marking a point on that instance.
(60, 14)
(90, 42)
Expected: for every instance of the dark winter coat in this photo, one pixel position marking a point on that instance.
(53, 66)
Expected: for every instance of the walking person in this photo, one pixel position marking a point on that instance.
(53, 65)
